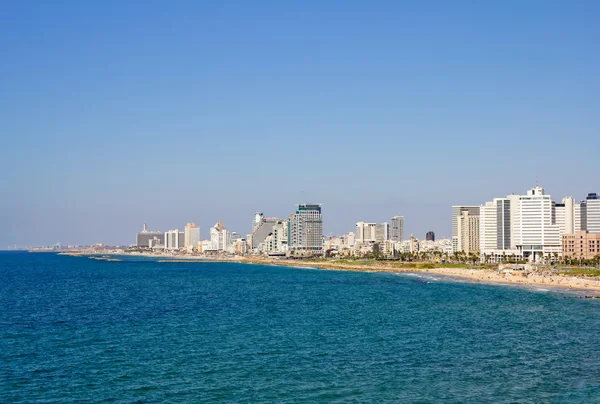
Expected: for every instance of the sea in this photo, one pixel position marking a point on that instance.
(75, 329)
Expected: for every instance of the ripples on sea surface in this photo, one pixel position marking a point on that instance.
(74, 329)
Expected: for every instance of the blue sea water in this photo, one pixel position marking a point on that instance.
(75, 329)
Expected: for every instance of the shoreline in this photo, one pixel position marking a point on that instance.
(486, 276)
(477, 275)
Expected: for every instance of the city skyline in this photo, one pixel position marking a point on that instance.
(185, 114)
(246, 228)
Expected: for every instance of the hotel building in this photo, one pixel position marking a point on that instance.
(582, 244)
(305, 229)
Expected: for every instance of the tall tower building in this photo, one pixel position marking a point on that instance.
(430, 236)
(305, 229)
(488, 227)
(592, 213)
(456, 213)
(366, 232)
(192, 235)
(172, 240)
(382, 232)
(397, 229)
(468, 232)
(538, 232)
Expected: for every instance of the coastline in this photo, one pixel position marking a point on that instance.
(487, 276)
(477, 275)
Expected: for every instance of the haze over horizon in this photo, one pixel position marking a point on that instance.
(116, 114)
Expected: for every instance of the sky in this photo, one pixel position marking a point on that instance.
(119, 113)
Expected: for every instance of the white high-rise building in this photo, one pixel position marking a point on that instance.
(592, 213)
(497, 230)
(488, 227)
(192, 235)
(366, 232)
(397, 229)
(172, 240)
(565, 216)
(219, 237)
(538, 233)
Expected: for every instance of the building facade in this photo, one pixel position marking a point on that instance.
(219, 237)
(397, 229)
(192, 235)
(582, 244)
(468, 232)
(538, 234)
(456, 213)
(145, 237)
(382, 232)
(305, 229)
(430, 236)
(174, 239)
(366, 232)
(592, 213)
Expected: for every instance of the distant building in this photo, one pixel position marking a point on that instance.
(590, 213)
(366, 232)
(565, 215)
(537, 234)
(143, 238)
(372, 232)
(583, 244)
(430, 236)
(456, 213)
(305, 229)
(258, 220)
(219, 237)
(468, 232)
(382, 232)
(173, 240)
(261, 228)
(397, 228)
(192, 236)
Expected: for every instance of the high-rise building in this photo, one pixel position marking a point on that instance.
(219, 237)
(305, 229)
(430, 236)
(456, 213)
(578, 225)
(564, 214)
(145, 237)
(258, 220)
(591, 213)
(504, 222)
(261, 228)
(173, 241)
(488, 227)
(382, 232)
(192, 235)
(538, 234)
(366, 232)
(397, 229)
(468, 232)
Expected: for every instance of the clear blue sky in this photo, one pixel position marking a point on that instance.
(116, 113)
